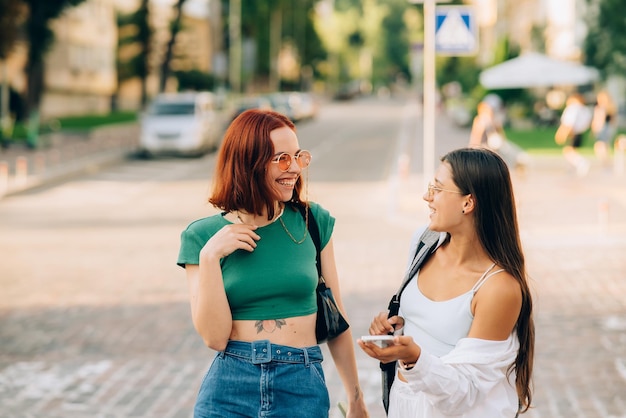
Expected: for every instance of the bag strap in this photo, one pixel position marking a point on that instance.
(314, 232)
(427, 244)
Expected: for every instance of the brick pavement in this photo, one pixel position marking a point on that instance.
(143, 359)
(575, 258)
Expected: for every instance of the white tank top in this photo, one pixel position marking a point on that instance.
(438, 325)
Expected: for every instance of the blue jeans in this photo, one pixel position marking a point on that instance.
(260, 379)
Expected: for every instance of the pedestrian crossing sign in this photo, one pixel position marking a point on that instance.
(456, 32)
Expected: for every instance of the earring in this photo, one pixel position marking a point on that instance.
(463, 211)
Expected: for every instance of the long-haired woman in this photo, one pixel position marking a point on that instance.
(465, 332)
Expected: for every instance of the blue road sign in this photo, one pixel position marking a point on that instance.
(456, 32)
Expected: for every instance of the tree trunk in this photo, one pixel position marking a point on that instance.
(169, 51)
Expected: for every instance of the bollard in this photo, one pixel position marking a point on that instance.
(618, 155)
(4, 178)
(21, 170)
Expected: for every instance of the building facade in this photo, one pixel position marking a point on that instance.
(80, 67)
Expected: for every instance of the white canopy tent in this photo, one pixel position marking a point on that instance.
(536, 70)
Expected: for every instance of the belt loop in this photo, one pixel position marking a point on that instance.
(306, 357)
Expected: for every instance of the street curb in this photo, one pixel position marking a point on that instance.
(88, 165)
(104, 147)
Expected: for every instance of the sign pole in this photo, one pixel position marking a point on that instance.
(429, 92)
(429, 105)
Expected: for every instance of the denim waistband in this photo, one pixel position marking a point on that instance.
(262, 351)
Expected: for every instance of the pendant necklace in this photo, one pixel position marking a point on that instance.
(306, 229)
(282, 223)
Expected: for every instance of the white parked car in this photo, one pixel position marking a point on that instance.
(182, 124)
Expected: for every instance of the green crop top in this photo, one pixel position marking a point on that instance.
(276, 280)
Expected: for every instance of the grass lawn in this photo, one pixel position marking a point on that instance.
(74, 123)
(541, 140)
(92, 121)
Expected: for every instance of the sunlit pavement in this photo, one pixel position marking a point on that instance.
(574, 236)
(121, 353)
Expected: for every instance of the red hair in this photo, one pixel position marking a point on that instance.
(240, 180)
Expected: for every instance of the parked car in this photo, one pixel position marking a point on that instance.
(286, 103)
(182, 124)
(307, 105)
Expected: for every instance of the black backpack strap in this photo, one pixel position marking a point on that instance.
(426, 246)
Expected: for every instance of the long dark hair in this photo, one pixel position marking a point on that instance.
(240, 180)
(482, 173)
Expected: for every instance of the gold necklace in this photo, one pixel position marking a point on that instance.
(252, 223)
(306, 229)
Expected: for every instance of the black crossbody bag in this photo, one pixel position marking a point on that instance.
(426, 246)
(330, 323)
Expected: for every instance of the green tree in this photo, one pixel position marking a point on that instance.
(605, 45)
(395, 43)
(296, 26)
(194, 80)
(40, 38)
(134, 46)
(351, 33)
(12, 13)
(175, 27)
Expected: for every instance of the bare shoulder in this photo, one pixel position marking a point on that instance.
(496, 307)
(502, 286)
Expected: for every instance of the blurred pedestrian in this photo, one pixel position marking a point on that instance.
(252, 280)
(603, 126)
(464, 335)
(575, 121)
(487, 131)
(486, 128)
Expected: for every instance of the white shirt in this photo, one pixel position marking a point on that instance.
(577, 116)
(470, 381)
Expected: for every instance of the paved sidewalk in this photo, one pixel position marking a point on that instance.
(107, 360)
(574, 237)
(62, 156)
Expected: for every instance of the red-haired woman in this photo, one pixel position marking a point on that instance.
(252, 277)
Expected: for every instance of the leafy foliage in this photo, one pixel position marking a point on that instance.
(12, 14)
(194, 80)
(605, 45)
(134, 39)
(395, 43)
(175, 27)
(296, 28)
(40, 37)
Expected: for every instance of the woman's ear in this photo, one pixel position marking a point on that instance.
(468, 204)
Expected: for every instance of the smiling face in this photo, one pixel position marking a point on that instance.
(446, 202)
(284, 140)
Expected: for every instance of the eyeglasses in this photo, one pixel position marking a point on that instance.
(432, 189)
(284, 160)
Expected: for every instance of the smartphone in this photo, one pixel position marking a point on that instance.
(381, 340)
